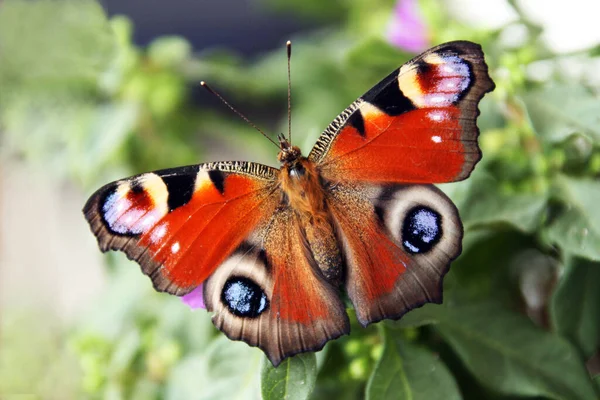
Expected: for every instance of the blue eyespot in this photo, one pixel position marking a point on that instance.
(244, 297)
(421, 230)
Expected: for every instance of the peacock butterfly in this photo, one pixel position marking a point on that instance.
(272, 248)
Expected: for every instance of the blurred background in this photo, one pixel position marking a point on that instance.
(91, 92)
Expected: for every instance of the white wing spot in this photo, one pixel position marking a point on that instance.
(175, 248)
(437, 116)
(148, 221)
(436, 139)
(158, 233)
(438, 100)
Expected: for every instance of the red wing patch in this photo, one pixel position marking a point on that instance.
(421, 146)
(180, 224)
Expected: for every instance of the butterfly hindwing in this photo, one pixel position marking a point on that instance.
(270, 293)
(415, 126)
(398, 242)
(180, 224)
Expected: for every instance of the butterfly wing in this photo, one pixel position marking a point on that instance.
(398, 242)
(398, 233)
(180, 224)
(270, 294)
(223, 225)
(415, 126)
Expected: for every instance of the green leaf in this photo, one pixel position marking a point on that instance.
(169, 51)
(575, 306)
(146, 388)
(124, 353)
(82, 134)
(485, 205)
(319, 10)
(507, 353)
(35, 362)
(559, 110)
(226, 370)
(77, 33)
(115, 310)
(422, 316)
(53, 109)
(407, 371)
(374, 58)
(576, 228)
(293, 379)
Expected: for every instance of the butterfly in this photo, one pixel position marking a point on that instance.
(274, 249)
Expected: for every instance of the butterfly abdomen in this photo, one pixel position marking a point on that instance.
(325, 251)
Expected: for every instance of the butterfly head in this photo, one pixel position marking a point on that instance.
(288, 154)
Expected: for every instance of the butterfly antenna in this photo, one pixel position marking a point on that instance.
(232, 108)
(289, 57)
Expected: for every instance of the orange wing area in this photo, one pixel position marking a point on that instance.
(298, 288)
(411, 147)
(418, 125)
(295, 310)
(180, 224)
(374, 262)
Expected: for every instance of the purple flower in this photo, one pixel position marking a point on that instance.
(195, 298)
(407, 30)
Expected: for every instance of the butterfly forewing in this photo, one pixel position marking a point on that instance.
(180, 224)
(415, 126)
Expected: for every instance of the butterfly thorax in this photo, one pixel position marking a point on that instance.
(301, 185)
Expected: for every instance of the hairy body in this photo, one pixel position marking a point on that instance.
(303, 190)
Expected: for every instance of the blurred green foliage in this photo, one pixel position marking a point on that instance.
(522, 312)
